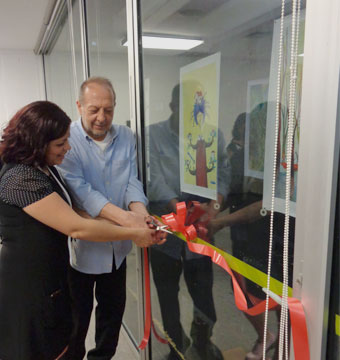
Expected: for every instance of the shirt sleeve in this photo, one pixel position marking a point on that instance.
(23, 185)
(159, 189)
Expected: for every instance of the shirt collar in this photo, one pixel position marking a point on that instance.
(113, 132)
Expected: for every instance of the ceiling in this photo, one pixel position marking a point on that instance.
(214, 21)
(20, 23)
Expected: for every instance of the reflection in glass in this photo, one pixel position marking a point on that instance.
(106, 21)
(59, 71)
(63, 68)
(170, 260)
(245, 35)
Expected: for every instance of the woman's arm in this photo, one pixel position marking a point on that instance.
(54, 212)
(245, 215)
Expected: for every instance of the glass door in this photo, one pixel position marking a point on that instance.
(210, 72)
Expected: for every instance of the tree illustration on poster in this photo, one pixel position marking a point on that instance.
(199, 102)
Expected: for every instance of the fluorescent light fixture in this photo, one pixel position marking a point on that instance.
(168, 43)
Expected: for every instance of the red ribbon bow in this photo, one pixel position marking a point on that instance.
(188, 223)
(176, 222)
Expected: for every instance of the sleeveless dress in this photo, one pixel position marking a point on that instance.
(35, 312)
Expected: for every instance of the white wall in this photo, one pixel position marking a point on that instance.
(21, 81)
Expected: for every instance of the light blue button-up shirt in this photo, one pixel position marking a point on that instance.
(95, 178)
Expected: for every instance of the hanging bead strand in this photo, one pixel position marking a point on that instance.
(271, 226)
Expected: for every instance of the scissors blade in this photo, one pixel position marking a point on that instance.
(164, 228)
(167, 231)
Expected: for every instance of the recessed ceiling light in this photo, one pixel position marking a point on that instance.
(168, 43)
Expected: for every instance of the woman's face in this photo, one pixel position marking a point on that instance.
(57, 149)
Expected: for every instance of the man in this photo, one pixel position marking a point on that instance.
(171, 259)
(100, 170)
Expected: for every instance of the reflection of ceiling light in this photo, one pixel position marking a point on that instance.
(168, 43)
(302, 55)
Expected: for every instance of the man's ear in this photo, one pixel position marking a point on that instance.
(79, 107)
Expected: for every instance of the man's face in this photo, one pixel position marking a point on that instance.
(96, 110)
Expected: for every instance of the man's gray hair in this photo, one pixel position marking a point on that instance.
(95, 80)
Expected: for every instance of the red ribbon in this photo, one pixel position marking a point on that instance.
(147, 326)
(176, 223)
(148, 317)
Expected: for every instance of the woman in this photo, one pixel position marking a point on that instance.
(35, 220)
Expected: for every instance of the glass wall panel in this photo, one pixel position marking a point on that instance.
(63, 70)
(106, 22)
(210, 115)
(79, 75)
(107, 28)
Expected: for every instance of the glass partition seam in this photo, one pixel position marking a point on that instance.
(70, 19)
(84, 39)
(134, 90)
(44, 73)
(137, 87)
(315, 214)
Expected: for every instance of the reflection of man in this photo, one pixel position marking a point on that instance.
(169, 260)
(101, 172)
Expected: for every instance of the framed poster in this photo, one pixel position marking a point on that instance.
(199, 103)
(281, 162)
(255, 128)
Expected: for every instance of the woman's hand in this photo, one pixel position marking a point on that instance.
(147, 237)
(214, 226)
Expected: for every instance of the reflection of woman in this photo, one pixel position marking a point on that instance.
(35, 219)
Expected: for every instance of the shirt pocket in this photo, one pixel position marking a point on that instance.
(120, 168)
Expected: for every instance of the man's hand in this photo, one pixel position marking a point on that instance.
(134, 220)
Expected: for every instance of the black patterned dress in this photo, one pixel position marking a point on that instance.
(35, 315)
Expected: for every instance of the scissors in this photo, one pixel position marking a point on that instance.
(160, 228)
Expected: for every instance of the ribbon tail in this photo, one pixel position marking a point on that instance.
(299, 329)
(147, 326)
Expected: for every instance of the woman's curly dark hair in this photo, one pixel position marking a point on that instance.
(26, 137)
